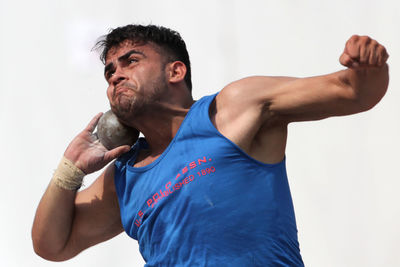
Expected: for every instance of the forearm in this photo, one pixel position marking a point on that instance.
(67, 222)
(54, 217)
(53, 221)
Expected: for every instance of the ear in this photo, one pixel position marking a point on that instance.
(176, 72)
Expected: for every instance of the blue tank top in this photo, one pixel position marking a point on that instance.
(205, 202)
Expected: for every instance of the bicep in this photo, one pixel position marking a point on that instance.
(311, 98)
(254, 112)
(290, 99)
(97, 216)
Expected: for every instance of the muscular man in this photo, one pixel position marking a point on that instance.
(207, 185)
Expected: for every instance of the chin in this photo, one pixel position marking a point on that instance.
(125, 113)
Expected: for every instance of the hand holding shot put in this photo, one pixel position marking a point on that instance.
(184, 190)
(90, 151)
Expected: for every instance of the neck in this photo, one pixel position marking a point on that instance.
(160, 126)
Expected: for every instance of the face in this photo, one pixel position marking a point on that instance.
(136, 79)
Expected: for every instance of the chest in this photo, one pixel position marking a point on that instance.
(144, 158)
(198, 183)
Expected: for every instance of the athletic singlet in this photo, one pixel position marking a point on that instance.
(205, 202)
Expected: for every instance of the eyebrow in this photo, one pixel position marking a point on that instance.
(122, 58)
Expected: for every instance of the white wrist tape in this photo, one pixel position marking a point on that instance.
(67, 175)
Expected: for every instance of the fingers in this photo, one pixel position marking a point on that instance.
(92, 124)
(116, 152)
(363, 51)
(347, 61)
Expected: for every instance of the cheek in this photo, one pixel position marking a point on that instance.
(109, 93)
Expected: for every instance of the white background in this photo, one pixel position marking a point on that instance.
(343, 172)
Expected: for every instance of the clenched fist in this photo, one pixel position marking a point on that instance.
(363, 51)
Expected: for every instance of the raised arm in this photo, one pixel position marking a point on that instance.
(355, 89)
(254, 112)
(67, 221)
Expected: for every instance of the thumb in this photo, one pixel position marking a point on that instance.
(347, 61)
(116, 152)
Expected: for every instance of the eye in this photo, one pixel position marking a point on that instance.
(109, 74)
(132, 60)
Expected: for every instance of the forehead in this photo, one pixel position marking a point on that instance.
(148, 49)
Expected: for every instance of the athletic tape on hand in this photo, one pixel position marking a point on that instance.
(67, 175)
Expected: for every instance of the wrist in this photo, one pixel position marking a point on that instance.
(67, 175)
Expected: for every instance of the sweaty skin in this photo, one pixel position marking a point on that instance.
(150, 95)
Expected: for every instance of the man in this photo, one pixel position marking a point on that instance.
(207, 186)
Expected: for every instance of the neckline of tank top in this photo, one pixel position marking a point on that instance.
(142, 143)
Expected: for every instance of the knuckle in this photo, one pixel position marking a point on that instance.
(354, 37)
(375, 47)
(374, 43)
(384, 50)
(381, 50)
(365, 40)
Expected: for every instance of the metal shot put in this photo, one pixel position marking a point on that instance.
(112, 133)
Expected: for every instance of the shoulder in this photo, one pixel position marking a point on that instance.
(253, 89)
(247, 94)
(237, 111)
(241, 113)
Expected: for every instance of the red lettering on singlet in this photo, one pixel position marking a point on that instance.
(192, 165)
(204, 160)
(184, 170)
(191, 177)
(177, 186)
(138, 222)
(170, 188)
(156, 198)
(167, 187)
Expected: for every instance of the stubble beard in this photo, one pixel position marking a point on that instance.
(131, 106)
(127, 107)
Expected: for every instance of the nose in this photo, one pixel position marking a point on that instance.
(117, 77)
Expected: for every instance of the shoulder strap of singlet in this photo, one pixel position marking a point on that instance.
(198, 121)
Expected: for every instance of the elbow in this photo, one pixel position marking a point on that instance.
(366, 92)
(44, 250)
(361, 103)
(368, 101)
(49, 256)
(44, 253)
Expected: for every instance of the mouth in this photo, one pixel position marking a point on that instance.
(119, 91)
(123, 88)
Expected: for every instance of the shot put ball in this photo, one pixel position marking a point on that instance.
(112, 133)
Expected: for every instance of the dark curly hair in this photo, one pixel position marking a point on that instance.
(170, 41)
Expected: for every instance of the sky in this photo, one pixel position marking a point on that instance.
(343, 171)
